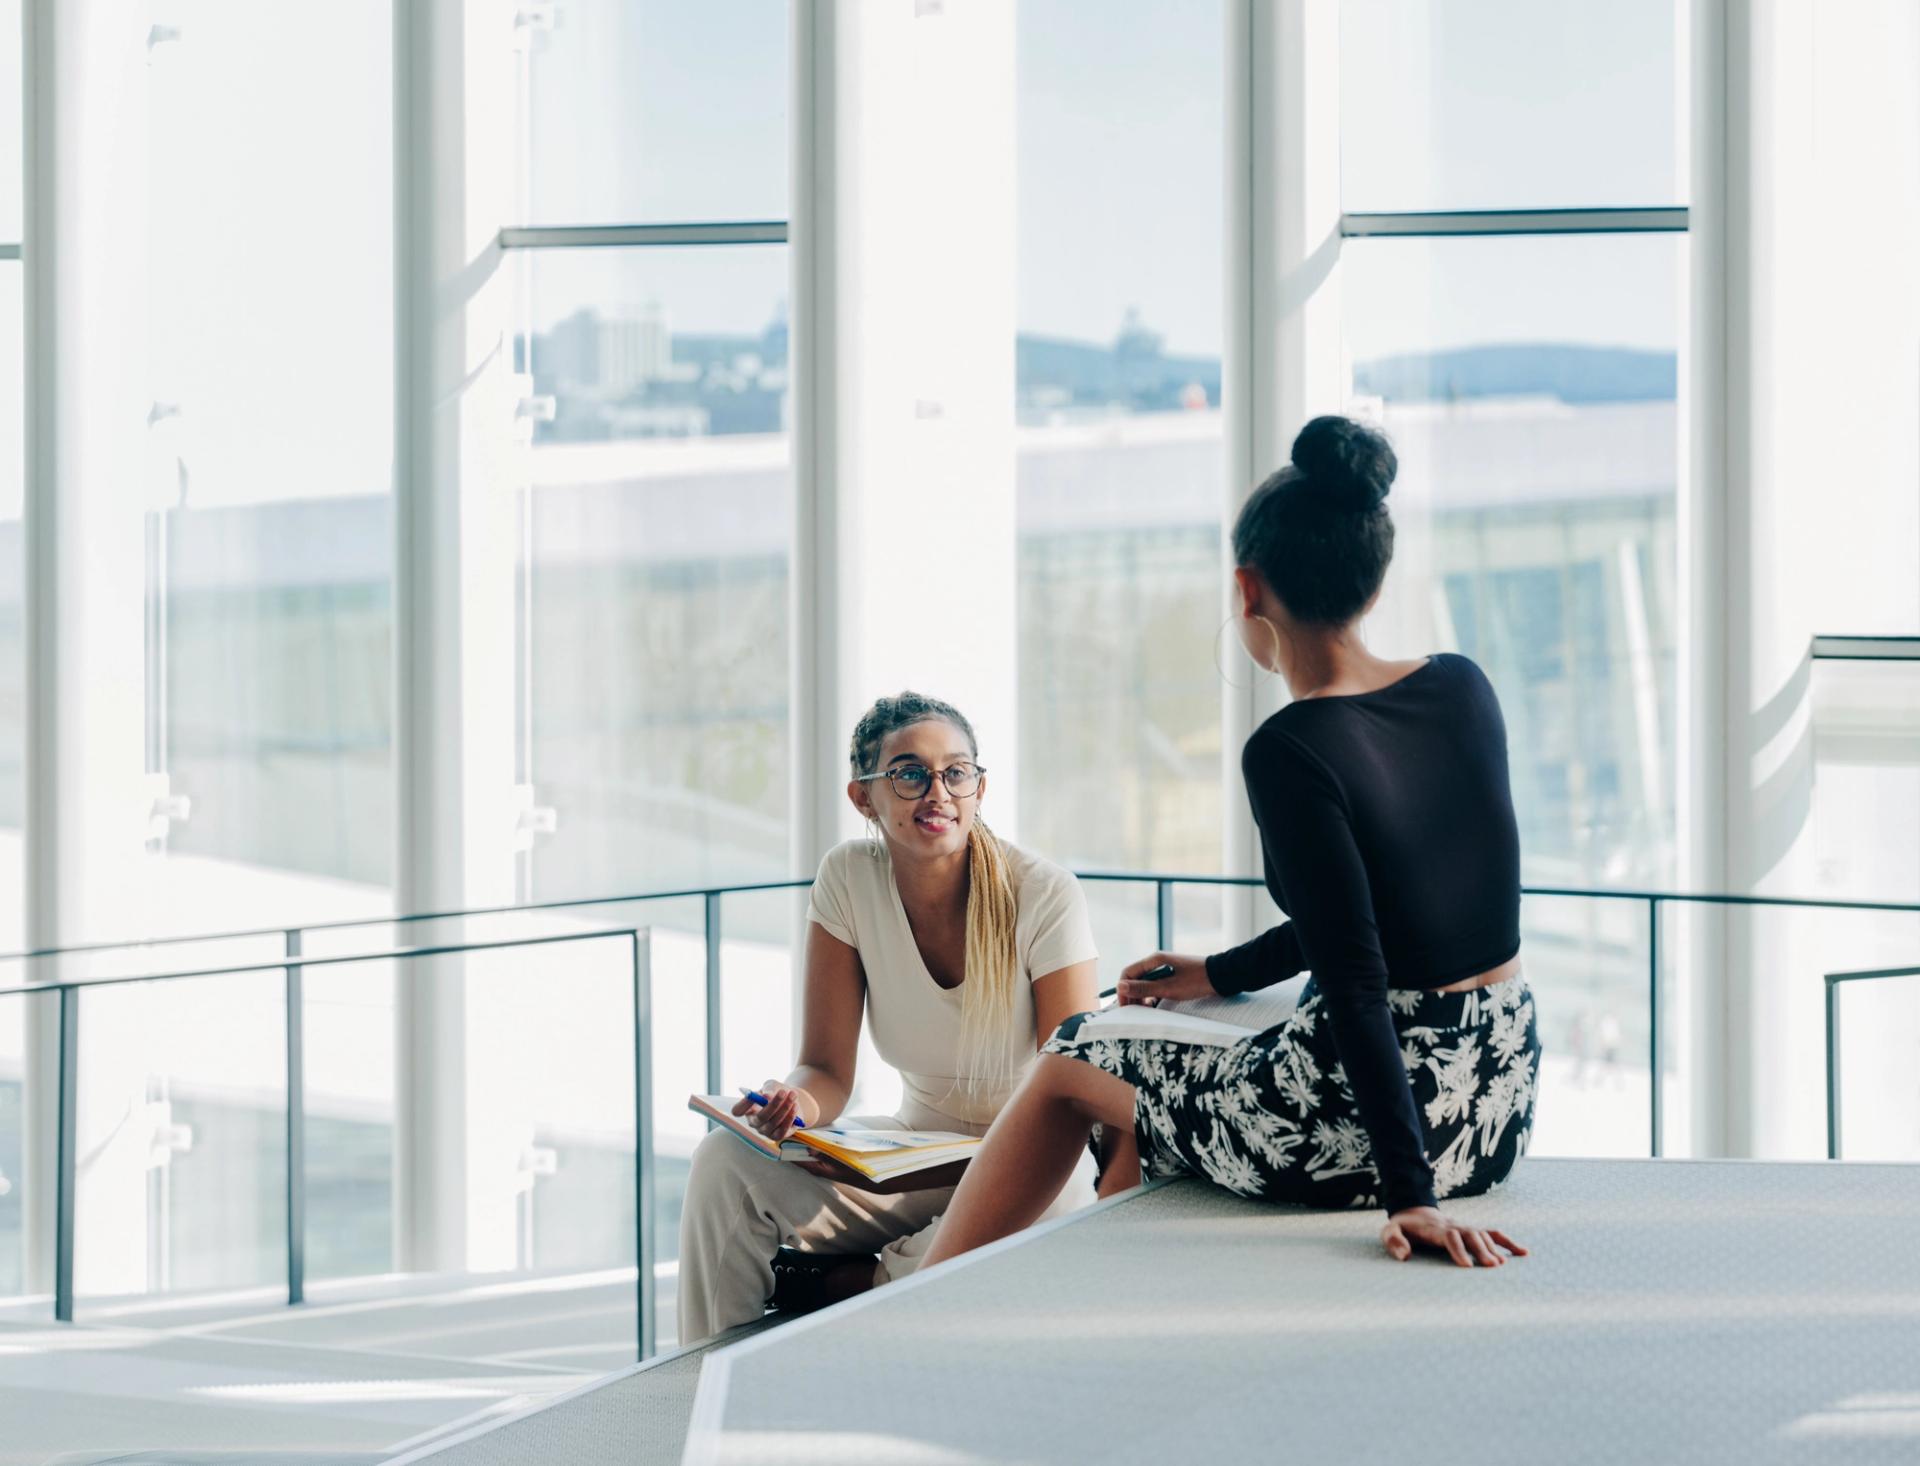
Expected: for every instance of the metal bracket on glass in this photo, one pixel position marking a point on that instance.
(166, 423)
(532, 821)
(165, 809)
(538, 17)
(536, 408)
(166, 1139)
(535, 1161)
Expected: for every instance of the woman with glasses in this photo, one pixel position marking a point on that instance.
(1406, 1074)
(964, 953)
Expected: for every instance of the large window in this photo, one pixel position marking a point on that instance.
(268, 500)
(652, 553)
(265, 606)
(655, 527)
(1121, 132)
(654, 569)
(1510, 104)
(1530, 383)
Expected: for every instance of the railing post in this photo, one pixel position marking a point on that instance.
(644, 1248)
(67, 1162)
(715, 1033)
(1163, 915)
(296, 1125)
(1653, 1022)
(1833, 1068)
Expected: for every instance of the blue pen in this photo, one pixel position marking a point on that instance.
(762, 1101)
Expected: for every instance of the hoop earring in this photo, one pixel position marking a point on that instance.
(876, 846)
(1220, 666)
(1275, 630)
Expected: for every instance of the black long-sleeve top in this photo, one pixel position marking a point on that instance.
(1387, 822)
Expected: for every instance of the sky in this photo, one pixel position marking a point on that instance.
(656, 110)
(660, 110)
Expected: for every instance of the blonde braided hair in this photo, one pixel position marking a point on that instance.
(992, 972)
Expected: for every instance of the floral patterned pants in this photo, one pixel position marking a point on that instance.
(1273, 1116)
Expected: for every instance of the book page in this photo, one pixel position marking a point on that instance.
(719, 1109)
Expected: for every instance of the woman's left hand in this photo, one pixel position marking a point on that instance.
(1428, 1226)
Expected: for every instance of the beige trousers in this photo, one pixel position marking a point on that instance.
(741, 1207)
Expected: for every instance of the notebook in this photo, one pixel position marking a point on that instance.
(898, 1160)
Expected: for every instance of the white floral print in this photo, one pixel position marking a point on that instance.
(1274, 1115)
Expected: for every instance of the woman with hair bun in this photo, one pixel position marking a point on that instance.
(964, 953)
(1406, 1074)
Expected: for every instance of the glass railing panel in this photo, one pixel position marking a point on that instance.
(1877, 1058)
(350, 1055)
(13, 1077)
(1783, 954)
(1125, 923)
(1586, 962)
(181, 1185)
(1201, 918)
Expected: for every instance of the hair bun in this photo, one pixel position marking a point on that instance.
(1348, 463)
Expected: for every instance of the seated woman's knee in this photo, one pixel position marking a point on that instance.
(720, 1168)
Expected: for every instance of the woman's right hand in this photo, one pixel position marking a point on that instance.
(776, 1118)
(1187, 980)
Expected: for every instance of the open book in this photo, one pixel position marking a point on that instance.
(872, 1159)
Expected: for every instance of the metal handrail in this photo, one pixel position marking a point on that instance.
(1164, 885)
(292, 966)
(1833, 981)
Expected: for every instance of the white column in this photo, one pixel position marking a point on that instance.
(1823, 526)
(1712, 385)
(817, 742)
(1284, 359)
(84, 254)
(453, 611)
(904, 324)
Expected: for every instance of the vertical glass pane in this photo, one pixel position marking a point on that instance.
(653, 597)
(183, 1126)
(12, 120)
(349, 1017)
(13, 649)
(269, 520)
(265, 603)
(652, 111)
(1487, 104)
(1119, 440)
(550, 1067)
(1878, 1050)
(13, 1259)
(1529, 388)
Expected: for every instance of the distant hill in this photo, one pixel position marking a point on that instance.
(1134, 369)
(1092, 372)
(1570, 373)
(1102, 373)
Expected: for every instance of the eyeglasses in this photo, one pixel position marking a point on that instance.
(912, 781)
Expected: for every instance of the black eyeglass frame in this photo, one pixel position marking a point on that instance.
(893, 777)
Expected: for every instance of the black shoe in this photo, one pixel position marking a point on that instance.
(799, 1280)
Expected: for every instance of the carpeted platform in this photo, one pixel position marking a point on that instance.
(1672, 1311)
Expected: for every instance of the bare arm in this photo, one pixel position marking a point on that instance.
(832, 997)
(1060, 994)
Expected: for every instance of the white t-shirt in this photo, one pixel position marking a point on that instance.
(915, 1022)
